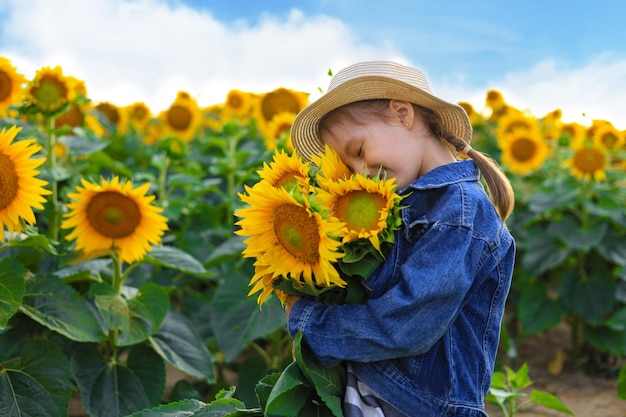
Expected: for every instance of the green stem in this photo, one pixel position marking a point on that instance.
(162, 186)
(231, 155)
(118, 277)
(55, 211)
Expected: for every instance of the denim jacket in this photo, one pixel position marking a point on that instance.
(426, 339)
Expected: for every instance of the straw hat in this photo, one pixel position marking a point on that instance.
(374, 80)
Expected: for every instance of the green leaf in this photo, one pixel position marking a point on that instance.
(605, 339)
(264, 388)
(179, 345)
(182, 408)
(84, 271)
(109, 389)
(538, 312)
(329, 382)
(550, 401)
(229, 249)
(39, 385)
(592, 297)
(175, 258)
(147, 310)
(59, 307)
(290, 394)
(12, 289)
(34, 241)
(575, 236)
(562, 195)
(541, 251)
(236, 318)
(617, 321)
(149, 368)
(78, 145)
(613, 247)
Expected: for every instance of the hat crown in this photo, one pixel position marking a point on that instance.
(381, 69)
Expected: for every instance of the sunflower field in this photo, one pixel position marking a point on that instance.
(124, 289)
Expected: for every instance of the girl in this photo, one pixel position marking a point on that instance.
(425, 342)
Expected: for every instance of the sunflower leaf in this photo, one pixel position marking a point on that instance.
(12, 289)
(59, 307)
(179, 345)
(39, 385)
(175, 258)
(115, 390)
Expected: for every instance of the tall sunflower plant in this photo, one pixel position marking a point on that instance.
(317, 230)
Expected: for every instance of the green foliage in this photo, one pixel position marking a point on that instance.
(506, 391)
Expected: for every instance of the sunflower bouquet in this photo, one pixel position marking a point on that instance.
(316, 229)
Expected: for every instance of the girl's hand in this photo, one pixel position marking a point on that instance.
(291, 300)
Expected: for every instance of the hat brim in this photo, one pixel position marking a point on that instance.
(305, 128)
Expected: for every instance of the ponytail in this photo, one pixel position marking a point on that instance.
(498, 185)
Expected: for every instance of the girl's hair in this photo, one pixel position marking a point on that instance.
(498, 185)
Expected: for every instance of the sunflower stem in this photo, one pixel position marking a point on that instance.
(231, 154)
(162, 190)
(55, 209)
(118, 277)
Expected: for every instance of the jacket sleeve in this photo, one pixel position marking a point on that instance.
(406, 319)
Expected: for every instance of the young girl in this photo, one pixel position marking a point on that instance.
(425, 342)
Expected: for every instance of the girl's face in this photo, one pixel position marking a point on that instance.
(389, 145)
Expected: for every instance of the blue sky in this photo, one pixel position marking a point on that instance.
(541, 54)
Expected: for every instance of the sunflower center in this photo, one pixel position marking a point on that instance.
(523, 149)
(235, 101)
(73, 117)
(277, 102)
(360, 210)
(297, 232)
(50, 91)
(589, 160)
(110, 112)
(8, 181)
(280, 129)
(288, 181)
(113, 215)
(5, 86)
(609, 140)
(179, 117)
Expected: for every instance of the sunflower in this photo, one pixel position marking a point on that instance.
(607, 136)
(116, 116)
(288, 238)
(20, 191)
(474, 116)
(514, 121)
(113, 217)
(274, 130)
(363, 205)
(183, 118)
(523, 151)
(264, 282)
(575, 132)
(50, 90)
(588, 162)
(139, 115)
(74, 116)
(285, 170)
(11, 85)
(279, 101)
(330, 166)
(238, 104)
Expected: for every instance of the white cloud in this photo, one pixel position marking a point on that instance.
(146, 50)
(596, 90)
